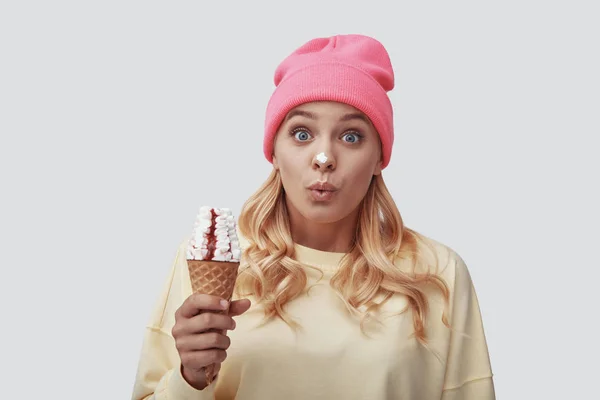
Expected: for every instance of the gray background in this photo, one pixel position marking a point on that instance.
(120, 118)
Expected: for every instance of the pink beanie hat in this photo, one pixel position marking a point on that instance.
(350, 69)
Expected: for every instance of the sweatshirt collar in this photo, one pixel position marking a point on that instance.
(324, 260)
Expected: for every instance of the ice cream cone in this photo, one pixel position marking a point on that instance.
(216, 278)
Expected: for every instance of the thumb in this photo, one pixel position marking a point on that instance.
(239, 307)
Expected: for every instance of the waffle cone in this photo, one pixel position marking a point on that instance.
(216, 278)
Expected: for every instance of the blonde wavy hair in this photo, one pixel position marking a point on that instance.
(274, 277)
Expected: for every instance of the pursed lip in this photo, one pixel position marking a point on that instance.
(324, 186)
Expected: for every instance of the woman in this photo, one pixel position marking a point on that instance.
(347, 302)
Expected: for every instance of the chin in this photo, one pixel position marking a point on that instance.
(322, 215)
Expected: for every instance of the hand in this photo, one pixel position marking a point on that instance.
(196, 341)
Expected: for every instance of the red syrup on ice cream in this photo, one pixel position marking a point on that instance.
(211, 244)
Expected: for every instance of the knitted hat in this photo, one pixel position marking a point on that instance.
(351, 69)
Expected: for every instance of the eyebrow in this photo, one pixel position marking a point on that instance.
(309, 115)
(349, 117)
(301, 113)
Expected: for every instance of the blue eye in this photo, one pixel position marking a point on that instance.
(352, 137)
(301, 135)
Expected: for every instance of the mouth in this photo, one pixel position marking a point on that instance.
(323, 186)
(322, 191)
(321, 195)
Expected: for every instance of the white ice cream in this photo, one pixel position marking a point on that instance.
(227, 246)
(322, 158)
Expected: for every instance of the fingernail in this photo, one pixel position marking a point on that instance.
(233, 325)
(224, 304)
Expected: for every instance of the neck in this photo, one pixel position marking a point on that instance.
(333, 237)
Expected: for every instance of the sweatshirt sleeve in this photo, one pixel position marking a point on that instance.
(158, 374)
(468, 369)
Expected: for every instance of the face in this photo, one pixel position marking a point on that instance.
(326, 154)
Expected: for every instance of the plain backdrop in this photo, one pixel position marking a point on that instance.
(119, 119)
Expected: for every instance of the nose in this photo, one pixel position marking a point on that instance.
(323, 161)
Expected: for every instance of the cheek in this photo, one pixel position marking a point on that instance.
(360, 175)
(362, 167)
(291, 176)
(287, 168)
(360, 185)
(291, 163)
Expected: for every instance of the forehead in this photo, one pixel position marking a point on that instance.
(333, 106)
(327, 110)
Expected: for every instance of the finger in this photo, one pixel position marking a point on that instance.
(201, 358)
(198, 302)
(203, 341)
(239, 307)
(206, 321)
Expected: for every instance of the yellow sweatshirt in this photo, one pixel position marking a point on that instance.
(329, 358)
